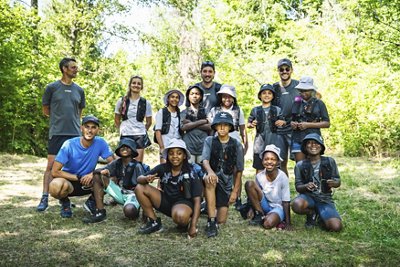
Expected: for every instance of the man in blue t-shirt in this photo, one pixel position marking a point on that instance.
(74, 165)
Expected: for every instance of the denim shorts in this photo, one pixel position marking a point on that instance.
(296, 147)
(124, 199)
(268, 209)
(325, 210)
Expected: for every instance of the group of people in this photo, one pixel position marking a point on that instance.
(202, 150)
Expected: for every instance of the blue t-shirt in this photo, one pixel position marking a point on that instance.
(79, 160)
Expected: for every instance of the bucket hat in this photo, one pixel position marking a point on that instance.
(129, 143)
(274, 149)
(176, 143)
(222, 117)
(181, 96)
(306, 83)
(312, 136)
(264, 87)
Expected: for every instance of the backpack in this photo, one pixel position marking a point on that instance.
(129, 182)
(223, 159)
(325, 172)
(166, 123)
(305, 112)
(272, 118)
(141, 109)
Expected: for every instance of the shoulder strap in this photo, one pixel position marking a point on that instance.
(272, 118)
(141, 109)
(260, 116)
(124, 107)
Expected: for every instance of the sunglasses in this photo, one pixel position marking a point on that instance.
(287, 69)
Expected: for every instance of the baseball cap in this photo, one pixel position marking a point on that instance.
(90, 118)
(207, 64)
(284, 61)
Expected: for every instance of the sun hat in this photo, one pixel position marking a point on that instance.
(222, 117)
(274, 149)
(227, 89)
(176, 143)
(306, 83)
(90, 118)
(284, 61)
(129, 143)
(181, 96)
(312, 136)
(264, 87)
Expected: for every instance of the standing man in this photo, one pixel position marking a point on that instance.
(208, 85)
(74, 165)
(285, 94)
(63, 101)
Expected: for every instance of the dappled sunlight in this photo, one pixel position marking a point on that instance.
(274, 255)
(62, 232)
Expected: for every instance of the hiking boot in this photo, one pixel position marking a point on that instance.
(90, 205)
(311, 220)
(66, 211)
(212, 229)
(151, 226)
(257, 219)
(44, 203)
(99, 216)
(238, 204)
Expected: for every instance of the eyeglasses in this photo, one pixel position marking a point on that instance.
(284, 69)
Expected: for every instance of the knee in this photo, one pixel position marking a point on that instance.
(268, 223)
(131, 212)
(298, 205)
(210, 186)
(334, 225)
(139, 189)
(249, 184)
(59, 188)
(181, 218)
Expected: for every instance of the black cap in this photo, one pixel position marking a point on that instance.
(284, 61)
(207, 64)
(90, 118)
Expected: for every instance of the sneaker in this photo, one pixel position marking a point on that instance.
(212, 229)
(151, 226)
(66, 211)
(44, 203)
(238, 204)
(257, 219)
(99, 216)
(311, 221)
(244, 210)
(90, 205)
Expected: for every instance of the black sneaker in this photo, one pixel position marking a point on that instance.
(212, 229)
(311, 220)
(244, 210)
(257, 219)
(238, 203)
(151, 226)
(90, 205)
(99, 216)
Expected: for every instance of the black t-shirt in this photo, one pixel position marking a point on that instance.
(173, 185)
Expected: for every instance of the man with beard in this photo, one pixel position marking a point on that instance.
(74, 165)
(209, 87)
(285, 95)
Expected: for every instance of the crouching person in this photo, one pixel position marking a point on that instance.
(269, 194)
(223, 160)
(181, 190)
(124, 173)
(315, 178)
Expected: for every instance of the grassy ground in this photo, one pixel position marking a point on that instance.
(368, 202)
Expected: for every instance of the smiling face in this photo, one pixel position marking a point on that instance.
(176, 156)
(227, 100)
(125, 151)
(173, 99)
(136, 85)
(89, 130)
(266, 96)
(207, 74)
(270, 161)
(306, 94)
(285, 72)
(313, 148)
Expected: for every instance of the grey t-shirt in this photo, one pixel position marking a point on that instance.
(286, 102)
(194, 138)
(64, 101)
(210, 98)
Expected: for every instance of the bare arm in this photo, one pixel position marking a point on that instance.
(192, 231)
(245, 140)
(307, 125)
(117, 120)
(211, 177)
(286, 209)
(57, 172)
(159, 140)
(46, 111)
(194, 124)
(236, 187)
(149, 120)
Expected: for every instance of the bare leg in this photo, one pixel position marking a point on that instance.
(148, 197)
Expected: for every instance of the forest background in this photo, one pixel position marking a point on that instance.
(351, 48)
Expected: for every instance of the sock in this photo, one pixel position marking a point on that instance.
(45, 195)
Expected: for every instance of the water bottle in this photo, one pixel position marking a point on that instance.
(186, 186)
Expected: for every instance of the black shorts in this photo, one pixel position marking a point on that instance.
(78, 190)
(221, 197)
(166, 204)
(257, 162)
(55, 143)
(142, 141)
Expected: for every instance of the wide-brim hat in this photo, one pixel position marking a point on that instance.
(264, 87)
(223, 117)
(306, 83)
(181, 96)
(312, 136)
(129, 143)
(274, 149)
(90, 118)
(227, 89)
(176, 143)
(188, 91)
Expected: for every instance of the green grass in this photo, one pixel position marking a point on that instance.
(368, 202)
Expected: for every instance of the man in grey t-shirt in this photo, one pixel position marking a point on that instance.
(62, 101)
(210, 87)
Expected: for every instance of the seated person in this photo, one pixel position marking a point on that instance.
(315, 178)
(74, 165)
(181, 190)
(123, 172)
(269, 194)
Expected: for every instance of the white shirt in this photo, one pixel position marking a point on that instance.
(276, 191)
